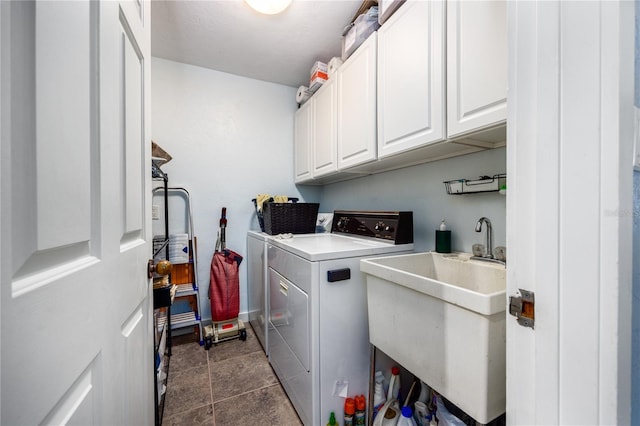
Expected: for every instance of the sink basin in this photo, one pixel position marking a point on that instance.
(442, 316)
(455, 278)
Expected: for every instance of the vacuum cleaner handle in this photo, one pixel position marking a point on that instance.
(223, 218)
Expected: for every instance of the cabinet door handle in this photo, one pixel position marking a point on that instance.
(284, 288)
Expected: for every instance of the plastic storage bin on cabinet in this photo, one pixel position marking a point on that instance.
(359, 31)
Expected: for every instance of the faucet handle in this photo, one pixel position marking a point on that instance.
(478, 250)
(500, 253)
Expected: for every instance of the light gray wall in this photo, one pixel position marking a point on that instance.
(420, 189)
(231, 138)
(635, 354)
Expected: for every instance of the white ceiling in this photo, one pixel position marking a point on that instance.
(229, 36)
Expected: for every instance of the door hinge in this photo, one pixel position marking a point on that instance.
(523, 308)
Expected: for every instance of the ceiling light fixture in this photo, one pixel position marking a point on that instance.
(269, 7)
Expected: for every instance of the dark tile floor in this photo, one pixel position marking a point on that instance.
(230, 384)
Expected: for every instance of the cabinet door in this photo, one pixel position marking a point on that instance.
(411, 78)
(303, 141)
(357, 106)
(476, 65)
(325, 130)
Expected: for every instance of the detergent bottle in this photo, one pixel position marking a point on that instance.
(332, 420)
(406, 419)
(394, 385)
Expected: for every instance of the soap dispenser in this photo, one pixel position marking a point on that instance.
(443, 238)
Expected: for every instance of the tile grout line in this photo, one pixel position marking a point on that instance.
(213, 408)
(234, 357)
(248, 392)
(186, 370)
(164, 418)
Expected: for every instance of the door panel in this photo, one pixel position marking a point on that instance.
(55, 239)
(134, 333)
(80, 402)
(75, 157)
(132, 149)
(65, 104)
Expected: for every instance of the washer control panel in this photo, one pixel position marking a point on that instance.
(390, 226)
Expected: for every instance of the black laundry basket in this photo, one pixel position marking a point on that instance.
(260, 213)
(290, 218)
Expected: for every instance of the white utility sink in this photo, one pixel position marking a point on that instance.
(442, 316)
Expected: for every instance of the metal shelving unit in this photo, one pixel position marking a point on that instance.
(186, 309)
(162, 310)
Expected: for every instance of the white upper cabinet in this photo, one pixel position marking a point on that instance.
(303, 142)
(357, 106)
(411, 86)
(430, 84)
(476, 65)
(324, 154)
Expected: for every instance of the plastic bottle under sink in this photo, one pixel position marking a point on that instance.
(394, 385)
(406, 417)
(360, 415)
(424, 392)
(378, 398)
(332, 420)
(349, 411)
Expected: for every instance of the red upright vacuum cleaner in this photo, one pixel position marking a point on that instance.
(224, 292)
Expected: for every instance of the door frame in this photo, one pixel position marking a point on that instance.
(569, 220)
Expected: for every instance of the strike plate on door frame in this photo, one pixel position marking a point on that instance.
(523, 307)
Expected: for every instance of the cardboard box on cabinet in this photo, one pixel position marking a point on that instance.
(319, 76)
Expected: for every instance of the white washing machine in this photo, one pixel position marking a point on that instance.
(318, 327)
(256, 285)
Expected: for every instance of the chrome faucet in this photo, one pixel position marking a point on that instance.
(489, 244)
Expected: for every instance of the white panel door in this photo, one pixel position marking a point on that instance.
(325, 139)
(357, 106)
(569, 151)
(411, 86)
(76, 317)
(476, 65)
